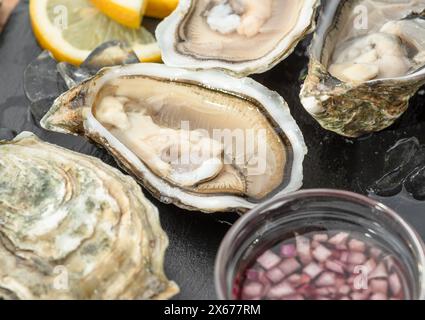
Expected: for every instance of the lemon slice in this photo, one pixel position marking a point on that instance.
(71, 29)
(126, 12)
(160, 8)
(130, 12)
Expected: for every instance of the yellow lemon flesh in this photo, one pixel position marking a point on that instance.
(160, 8)
(71, 29)
(126, 12)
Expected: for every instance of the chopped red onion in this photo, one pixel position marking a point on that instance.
(293, 297)
(340, 238)
(389, 263)
(379, 286)
(268, 260)
(275, 274)
(344, 290)
(262, 277)
(322, 267)
(303, 249)
(351, 268)
(351, 279)
(289, 266)
(356, 258)
(313, 270)
(341, 247)
(360, 295)
(335, 266)
(281, 290)
(357, 245)
(344, 256)
(321, 253)
(320, 237)
(305, 279)
(375, 252)
(370, 265)
(288, 251)
(379, 296)
(340, 281)
(395, 284)
(252, 274)
(326, 279)
(326, 291)
(379, 272)
(252, 289)
(295, 279)
(315, 244)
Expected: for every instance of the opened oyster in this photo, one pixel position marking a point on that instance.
(201, 140)
(72, 227)
(367, 60)
(226, 34)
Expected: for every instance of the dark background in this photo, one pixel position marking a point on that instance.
(332, 161)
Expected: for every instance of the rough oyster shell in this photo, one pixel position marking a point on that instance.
(72, 227)
(139, 113)
(355, 108)
(187, 40)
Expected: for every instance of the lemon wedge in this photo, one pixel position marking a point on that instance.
(71, 29)
(126, 12)
(130, 12)
(160, 8)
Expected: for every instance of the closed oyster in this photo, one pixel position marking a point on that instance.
(201, 140)
(367, 59)
(72, 227)
(226, 34)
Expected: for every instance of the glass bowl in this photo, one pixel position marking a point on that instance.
(311, 210)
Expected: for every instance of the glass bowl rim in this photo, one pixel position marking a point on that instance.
(342, 194)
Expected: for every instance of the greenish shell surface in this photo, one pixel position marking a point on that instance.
(72, 227)
(354, 110)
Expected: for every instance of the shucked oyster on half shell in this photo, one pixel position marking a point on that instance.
(241, 36)
(72, 227)
(367, 59)
(201, 140)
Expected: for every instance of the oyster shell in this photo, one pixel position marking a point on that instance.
(72, 227)
(366, 60)
(201, 140)
(225, 34)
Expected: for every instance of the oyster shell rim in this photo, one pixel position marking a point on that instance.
(212, 79)
(325, 25)
(166, 36)
(320, 88)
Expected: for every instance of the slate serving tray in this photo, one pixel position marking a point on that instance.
(332, 161)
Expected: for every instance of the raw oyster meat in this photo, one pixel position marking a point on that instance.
(366, 60)
(226, 34)
(72, 227)
(201, 140)
(6, 8)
